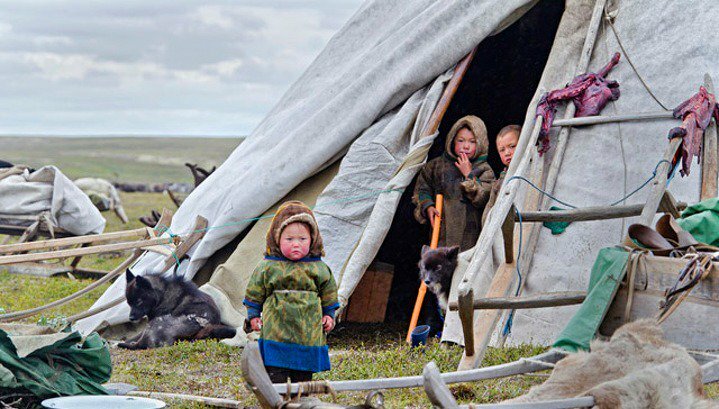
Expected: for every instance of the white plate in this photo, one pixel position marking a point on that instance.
(104, 402)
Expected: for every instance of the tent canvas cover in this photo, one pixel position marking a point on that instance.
(349, 135)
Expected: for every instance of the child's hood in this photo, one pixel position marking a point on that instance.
(292, 212)
(479, 130)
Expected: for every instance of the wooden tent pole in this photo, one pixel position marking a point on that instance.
(503, 279)
(439, 202)
(710, 171)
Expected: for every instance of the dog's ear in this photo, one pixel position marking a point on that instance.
(129, 276)
(452, 252)
(425, 248)
(142, 282)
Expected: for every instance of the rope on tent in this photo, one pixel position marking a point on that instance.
(608, 19)
(508, 326)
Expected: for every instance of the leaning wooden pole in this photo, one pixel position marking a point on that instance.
(439, 204)
(502, 283)
(710, 169)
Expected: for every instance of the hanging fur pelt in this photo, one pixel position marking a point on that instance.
(635, 369)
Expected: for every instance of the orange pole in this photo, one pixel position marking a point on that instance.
(422, 286)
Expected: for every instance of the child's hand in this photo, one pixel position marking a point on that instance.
(431, 213)
(256, 323)
(464, 165)
(327, 323)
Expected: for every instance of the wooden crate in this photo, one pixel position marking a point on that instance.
(368, 303)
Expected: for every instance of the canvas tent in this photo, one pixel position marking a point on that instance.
(351, 133)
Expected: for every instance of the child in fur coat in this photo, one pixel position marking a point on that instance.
(292, 297)
(464, 177)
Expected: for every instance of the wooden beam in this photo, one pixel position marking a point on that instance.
(557, 299)
(588, 213)
(197, 233)
(466, 317)
(668, 205)
(710, 170)
(659, 185)
(254, 373)
(504, 277)
(72, 241)
(508, 235)
(598, 119)
(83, 251)
(537, 363)
(205, 400)
(436, 389)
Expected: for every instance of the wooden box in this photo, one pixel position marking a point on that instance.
(368, 303)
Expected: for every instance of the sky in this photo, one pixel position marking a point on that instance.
(157, 67)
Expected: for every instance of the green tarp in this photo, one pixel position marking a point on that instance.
(702, 221)
(607, 273)
(68, 366)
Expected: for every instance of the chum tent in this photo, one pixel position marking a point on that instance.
(352, 132)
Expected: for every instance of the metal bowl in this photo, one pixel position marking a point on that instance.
(104, 402)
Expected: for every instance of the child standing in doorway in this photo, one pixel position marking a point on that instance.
(292, 297)
(507, 140)
(463, 176)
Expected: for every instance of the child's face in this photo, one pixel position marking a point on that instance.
(506, 145)
(464, 143)
(295, 241)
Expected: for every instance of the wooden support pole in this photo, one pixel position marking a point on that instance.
(466, 317)
(83, 251)
(659, 185)
(198, 232)
(557, 299)
(503, 280)
(508, 235)
(536, 363)
(598, 119)
(206, 400)
(254, 373)
(439, 204)
(710, 170)
(436, 389)
(72, 241)
(590, 213)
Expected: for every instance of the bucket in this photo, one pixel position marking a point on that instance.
(419, 335)
(104, 402)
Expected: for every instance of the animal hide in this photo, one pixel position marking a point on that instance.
(589, 92)
(635, 369)
(695, 113)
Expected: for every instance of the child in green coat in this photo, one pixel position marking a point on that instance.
(292, 297)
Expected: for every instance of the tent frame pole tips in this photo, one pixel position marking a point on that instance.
(439, 201)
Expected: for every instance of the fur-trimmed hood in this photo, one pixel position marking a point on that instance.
(289, 212)
(479, 130)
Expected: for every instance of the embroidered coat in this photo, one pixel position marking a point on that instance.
(292, 297)
(464, 198)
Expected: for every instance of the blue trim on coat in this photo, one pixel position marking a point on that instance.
(254, 310)
(302, 260)
(295, 356)
(330, 309)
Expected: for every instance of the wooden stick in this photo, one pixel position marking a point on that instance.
(214, 402)
(82, 251)
(443, 104)
(14, 316)
(568, 403)
(197, 233)
(77, 317)
(587, 213)
(659, 185)
(710, 169)
(594, 120)
(537, 301)
(439, 202)
(254, 373)
(436, 389)
(71, 241)
(537, 363)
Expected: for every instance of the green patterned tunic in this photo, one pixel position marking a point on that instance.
(292, 297)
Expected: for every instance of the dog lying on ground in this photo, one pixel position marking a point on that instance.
(436, 268)
(176, 309)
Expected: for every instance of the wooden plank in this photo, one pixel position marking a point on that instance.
(710, 170)
(599, 119)
(83, 251)
(19, 230)
(504, 277)
(536, 301)
(436, 389)
(93, 311)
(659, 185)
(592, 213)
(465, 301)
(537, 363)
(72, 241)
(508, 235)
(254, 373)
(568, 403)
(197, 233)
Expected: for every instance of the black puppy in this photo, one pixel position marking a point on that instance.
(176, 308)
(436, 268)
